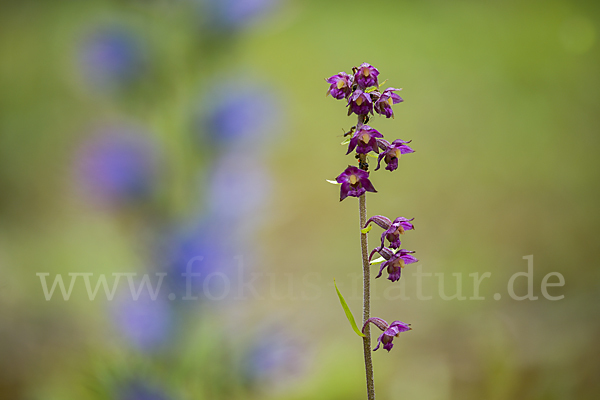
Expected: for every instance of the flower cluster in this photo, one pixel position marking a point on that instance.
(395, 258)
(361, 92)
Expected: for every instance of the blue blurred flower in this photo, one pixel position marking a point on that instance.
(241, 115)
(201, 259)
(276, 358)
(111, 56)
(145, 323)
(117, 165)
(239, 187)
(138, 390)
(232, 14)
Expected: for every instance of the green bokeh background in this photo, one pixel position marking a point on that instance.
(501, 102)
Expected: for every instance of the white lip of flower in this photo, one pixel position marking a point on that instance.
(353, 179)
(340, 84)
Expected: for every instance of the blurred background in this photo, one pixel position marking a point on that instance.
(155, 137)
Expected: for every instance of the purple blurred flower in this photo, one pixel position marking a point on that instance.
(201, 258)
(392, 230)
(138, 390)
(238, 187)
(274, 359)
(341, 85)
(360, 103)
(395, 261)
(117, 166)
(241, 115)
(384, 103)
(366, 140)
(234, 198)
(390, 331)
(144, 322)
(355, 182)
(236, 14)
(366, 76)
(111, 56)
(392, 152)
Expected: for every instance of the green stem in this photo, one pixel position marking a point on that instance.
(362, 208)
(362, 205)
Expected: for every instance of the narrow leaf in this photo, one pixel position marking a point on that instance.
(348, 312)
(367, 229)
(383, 83)
(346, 141)
(333, 182)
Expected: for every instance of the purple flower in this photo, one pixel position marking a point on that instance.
(341, 85)
(118, 166)
(360, 103)
(239, 186)
(144, 322)
(355, 182)
(393, 230)
(366, 140)
(383, 105)
(389, 331)
(392, 152)
(111, 57)
(234, 116)
(366, 76)
(275, 359)
(200, 257)
(236, 14)
(138, 390)
(395, 261)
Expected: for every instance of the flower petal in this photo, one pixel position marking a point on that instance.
(378, 322)
(380, 220)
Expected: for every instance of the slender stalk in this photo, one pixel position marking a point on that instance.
(362, 205)
(362, 211)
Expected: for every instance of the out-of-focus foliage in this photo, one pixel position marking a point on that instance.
(194, 136)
